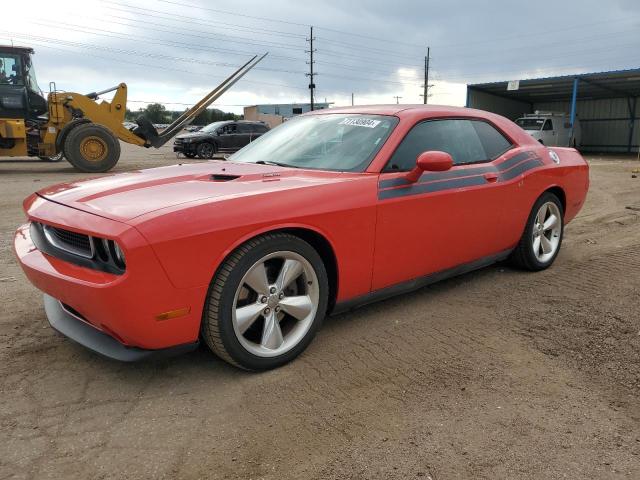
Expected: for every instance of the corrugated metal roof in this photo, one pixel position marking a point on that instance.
(611, 84)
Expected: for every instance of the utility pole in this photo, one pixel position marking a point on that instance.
(426, 85)
(311, 50)
(397, 98)
(352, 99)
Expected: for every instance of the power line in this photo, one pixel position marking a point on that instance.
(202, 34)
(151, 40)
(45, 45)
(197, 21)
(227, 12)
(147, 54)
(370, 37)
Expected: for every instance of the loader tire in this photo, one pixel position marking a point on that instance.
(92, 148)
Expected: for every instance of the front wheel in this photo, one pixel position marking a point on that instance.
(542, 237)
(206, 150)
(92, 148)
(266, 302)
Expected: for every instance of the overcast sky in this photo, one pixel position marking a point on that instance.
(177, 50)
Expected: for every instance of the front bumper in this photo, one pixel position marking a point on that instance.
(127, 307)
(81, 332)
(185, 147)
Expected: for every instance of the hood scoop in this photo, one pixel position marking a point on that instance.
(222, 177)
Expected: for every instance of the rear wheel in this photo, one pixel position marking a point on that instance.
(266, 302)
(206, 150)
(92, 148)
(542, 237)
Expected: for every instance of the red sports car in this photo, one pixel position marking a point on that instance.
(327, 212)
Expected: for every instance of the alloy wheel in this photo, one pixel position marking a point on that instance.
(275, 304)
(546, 233)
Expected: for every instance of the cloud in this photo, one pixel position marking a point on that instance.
(177, 50)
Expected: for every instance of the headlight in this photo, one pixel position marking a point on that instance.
(111, 252)
(119, 255)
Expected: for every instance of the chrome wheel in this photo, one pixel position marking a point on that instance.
(275, 304)
(547, 229)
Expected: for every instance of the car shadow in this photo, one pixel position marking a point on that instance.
(201, 363)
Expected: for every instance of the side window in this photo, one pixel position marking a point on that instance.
(233, 128)
(245, 128)
(10, 70)
(297, 110)
(547, 125)
(467, 141)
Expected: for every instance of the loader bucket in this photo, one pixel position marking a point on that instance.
(146, 130)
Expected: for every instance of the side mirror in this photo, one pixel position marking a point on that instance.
(432, 161)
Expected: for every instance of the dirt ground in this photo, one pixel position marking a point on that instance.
(495, 374)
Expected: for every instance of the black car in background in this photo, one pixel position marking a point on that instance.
(219, 137)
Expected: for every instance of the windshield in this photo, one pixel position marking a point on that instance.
(32, 82)
(342, 142)
(212, 127)
(530, 123)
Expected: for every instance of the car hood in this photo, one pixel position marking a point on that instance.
(125, 196)
(193, 135)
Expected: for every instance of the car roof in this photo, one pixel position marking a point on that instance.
(404, 110)
(409, 114)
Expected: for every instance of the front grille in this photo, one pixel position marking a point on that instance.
(72, 242)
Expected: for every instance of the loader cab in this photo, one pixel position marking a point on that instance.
(20, 95)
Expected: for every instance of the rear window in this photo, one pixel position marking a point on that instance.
(493, 142)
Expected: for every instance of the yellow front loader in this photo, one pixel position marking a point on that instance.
(75, 126)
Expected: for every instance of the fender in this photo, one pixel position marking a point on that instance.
(62, 136)
(271, 229)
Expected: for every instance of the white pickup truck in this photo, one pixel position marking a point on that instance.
(551, 128)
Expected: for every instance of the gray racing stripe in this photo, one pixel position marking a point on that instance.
(419, 188)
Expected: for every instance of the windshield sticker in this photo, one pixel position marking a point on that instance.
(360, 122)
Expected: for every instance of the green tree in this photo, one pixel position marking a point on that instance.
(155, 113)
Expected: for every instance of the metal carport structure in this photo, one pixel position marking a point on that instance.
(605, 102)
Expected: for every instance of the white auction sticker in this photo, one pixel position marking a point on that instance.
(360, 122)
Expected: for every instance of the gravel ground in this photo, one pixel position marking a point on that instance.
(495, 374)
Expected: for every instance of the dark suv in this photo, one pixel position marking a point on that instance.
(218, 137)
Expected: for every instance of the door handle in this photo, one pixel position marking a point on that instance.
(491, 177)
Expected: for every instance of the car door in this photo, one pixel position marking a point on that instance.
(548, 133)
(228, 138)
(445, 219)
(244, 135)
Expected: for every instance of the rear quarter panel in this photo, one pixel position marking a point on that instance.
(571, 176)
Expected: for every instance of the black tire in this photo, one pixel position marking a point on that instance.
(523, 256)
(217, 324)
(53, 158)
(206, 150)
(92, 148)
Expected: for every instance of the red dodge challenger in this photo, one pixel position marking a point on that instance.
(327, 212)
